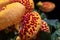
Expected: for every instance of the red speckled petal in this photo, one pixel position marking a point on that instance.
(45, 27)
(31, 28)
(26, 3)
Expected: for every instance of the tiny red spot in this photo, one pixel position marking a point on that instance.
(28, 26)
(24, 33)
(33, 28)
(31, 31)
(35, 25)
(25, 30)
(28, 36)
(37, 17)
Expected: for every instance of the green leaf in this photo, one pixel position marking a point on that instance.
(55, 23)
(55, 35)
(43, 15)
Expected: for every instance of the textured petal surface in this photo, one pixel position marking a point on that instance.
(31, 23)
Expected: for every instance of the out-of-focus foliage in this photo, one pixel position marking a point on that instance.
(56, 35)
(53, 23)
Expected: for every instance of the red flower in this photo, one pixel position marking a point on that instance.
(45, 27)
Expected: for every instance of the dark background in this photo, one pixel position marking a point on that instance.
(55, 14)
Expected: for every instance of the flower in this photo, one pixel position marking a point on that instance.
(31, 23)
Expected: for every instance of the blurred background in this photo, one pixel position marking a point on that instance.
(53, 14)
(53, 19)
